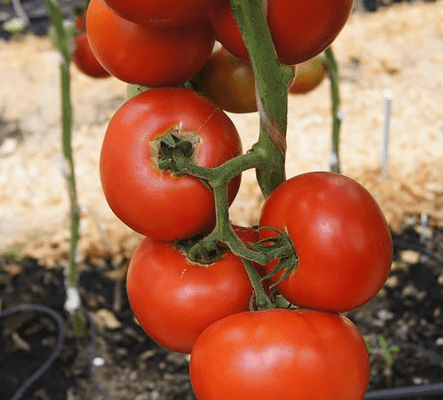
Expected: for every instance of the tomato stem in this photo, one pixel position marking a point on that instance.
(68, 160)
(336, 114)
(272, 82)
(262, 300)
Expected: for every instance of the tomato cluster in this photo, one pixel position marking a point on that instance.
(170, 42)
(83, 57)
(155, 150)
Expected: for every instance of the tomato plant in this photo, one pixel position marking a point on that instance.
(229, 82)
(300, 29)
(308, 75)
(159, 203)
(280, 354)
(146, 55)
(165, 12)
(341, 238)
(175, 299)
(85, 60)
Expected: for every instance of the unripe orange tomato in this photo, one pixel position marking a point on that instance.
(229, 82)
(308, 75)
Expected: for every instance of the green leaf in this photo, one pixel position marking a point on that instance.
(388, 358)
(15, 252)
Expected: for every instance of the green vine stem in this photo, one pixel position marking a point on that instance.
(336, 114)
(63, 45)
(177, 158)
(272, 81)
(267, 155)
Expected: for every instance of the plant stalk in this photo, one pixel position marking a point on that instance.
(68, 160)
(272, 82)
(336, 114)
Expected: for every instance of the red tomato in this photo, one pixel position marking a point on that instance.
(280, 354)
(146, 55)
(174, 299)
(85, 60)
(340, 235)
(164, 12)
(229, 82)
(308, 75)
(80, 22)
(300, 29)
(158, 203)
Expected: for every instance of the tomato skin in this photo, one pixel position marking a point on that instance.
(174, 300)
(85, 60)
(300, 29)
(341, 238)
(146, 55)
(229, 82)
(308, 75)
(80, 22)
(165, 12)
(280, 354)
(157, 203)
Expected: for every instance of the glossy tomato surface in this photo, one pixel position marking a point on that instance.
(229, 82)
(147, 55)
(174, 299)
(164, 12)
(308, 75)
(158, 203)
(300, 29)
(280, 354)
(340, 235)
(85, 60)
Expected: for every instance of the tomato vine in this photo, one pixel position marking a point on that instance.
(63, 46)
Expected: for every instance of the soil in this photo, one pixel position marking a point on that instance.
(407, 312)
(399, 48)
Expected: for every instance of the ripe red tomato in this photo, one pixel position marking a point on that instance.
(80, 22)
(85, 60)
(340, 235)
(300, 29)
(174, 299)
(158, 203)
(308, 75)
(164, 12)
(147, 55)
(280, 354)
(229, 82)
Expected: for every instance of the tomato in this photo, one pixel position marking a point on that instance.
(308, 75)
(229, 82)
(80, 22)
(158, 203)
(164, 12)
(300, 29)
(85, 60)
(341, 238)
(146, 55)
(174, 299)
(280, 354)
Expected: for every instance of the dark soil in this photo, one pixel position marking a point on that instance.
(407, 312)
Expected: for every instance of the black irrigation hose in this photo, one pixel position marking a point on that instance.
(60, 338)
(429, 353)
(386, 394)
(408, 392)
(403, 244)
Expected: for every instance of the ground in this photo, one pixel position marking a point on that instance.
(399, 48)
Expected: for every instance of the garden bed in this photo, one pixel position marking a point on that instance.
(399, 48)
